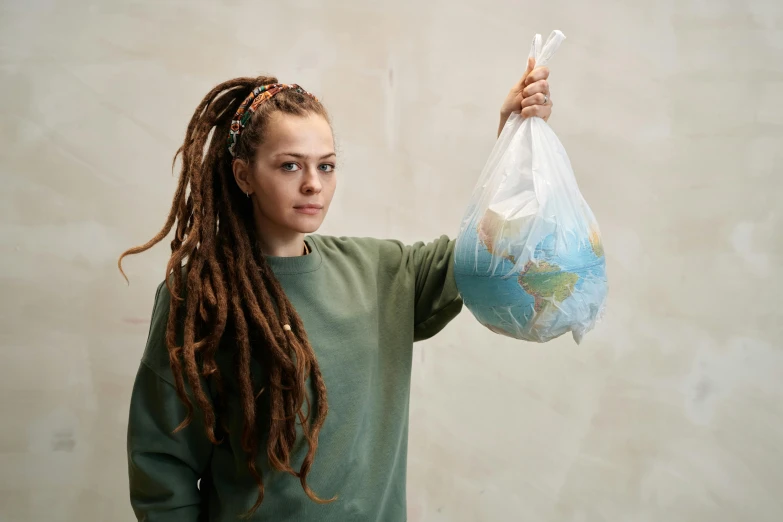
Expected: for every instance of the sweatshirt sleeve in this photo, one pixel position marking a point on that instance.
(437, 299)
(163, 468)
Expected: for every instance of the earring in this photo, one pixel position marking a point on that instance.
(247, 194)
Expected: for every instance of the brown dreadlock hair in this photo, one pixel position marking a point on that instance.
(227, 281)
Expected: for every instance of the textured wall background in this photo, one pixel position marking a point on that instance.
(672, 115)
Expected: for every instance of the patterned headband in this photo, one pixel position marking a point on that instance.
(250, 104)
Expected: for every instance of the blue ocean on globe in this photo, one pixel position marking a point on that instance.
(563, 290)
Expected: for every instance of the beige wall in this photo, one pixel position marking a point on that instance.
(672, 114)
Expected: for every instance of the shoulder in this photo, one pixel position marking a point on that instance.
(156, 354)
(386, 254)
(347, 245)
(368, 249)
(351, 243)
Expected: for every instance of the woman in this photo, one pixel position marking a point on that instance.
(261, 320)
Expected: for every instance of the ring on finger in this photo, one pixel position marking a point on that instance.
(546, 98)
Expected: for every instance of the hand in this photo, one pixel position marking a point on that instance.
(529, 96)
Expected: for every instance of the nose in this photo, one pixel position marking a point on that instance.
(311, 183)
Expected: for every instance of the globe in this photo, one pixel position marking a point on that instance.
(531, 291)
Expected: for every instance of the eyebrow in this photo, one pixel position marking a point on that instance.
(304, 156)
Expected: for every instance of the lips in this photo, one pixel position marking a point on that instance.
(309, 209)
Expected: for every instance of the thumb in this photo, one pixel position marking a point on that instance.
(531, 64)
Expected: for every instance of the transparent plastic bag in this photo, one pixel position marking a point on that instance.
(529, 261)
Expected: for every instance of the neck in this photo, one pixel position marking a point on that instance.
(279, 243)
(282, 247)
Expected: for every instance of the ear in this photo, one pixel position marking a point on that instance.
(241, 170)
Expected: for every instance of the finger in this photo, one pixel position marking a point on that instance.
(542, 111)
(537, 74)
(536, 99)
(541, 86)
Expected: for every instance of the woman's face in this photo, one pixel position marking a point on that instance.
(291, 179)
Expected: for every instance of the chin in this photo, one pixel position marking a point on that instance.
(305, 226)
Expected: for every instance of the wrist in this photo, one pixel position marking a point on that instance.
(503, 119)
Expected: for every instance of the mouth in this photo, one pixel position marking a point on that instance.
(309, 209)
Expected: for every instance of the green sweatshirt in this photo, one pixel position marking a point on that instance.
(363, 303)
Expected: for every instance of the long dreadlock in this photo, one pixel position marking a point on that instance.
(227, 281)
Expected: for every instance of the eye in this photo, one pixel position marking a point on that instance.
(290, 167)
(326, 167)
